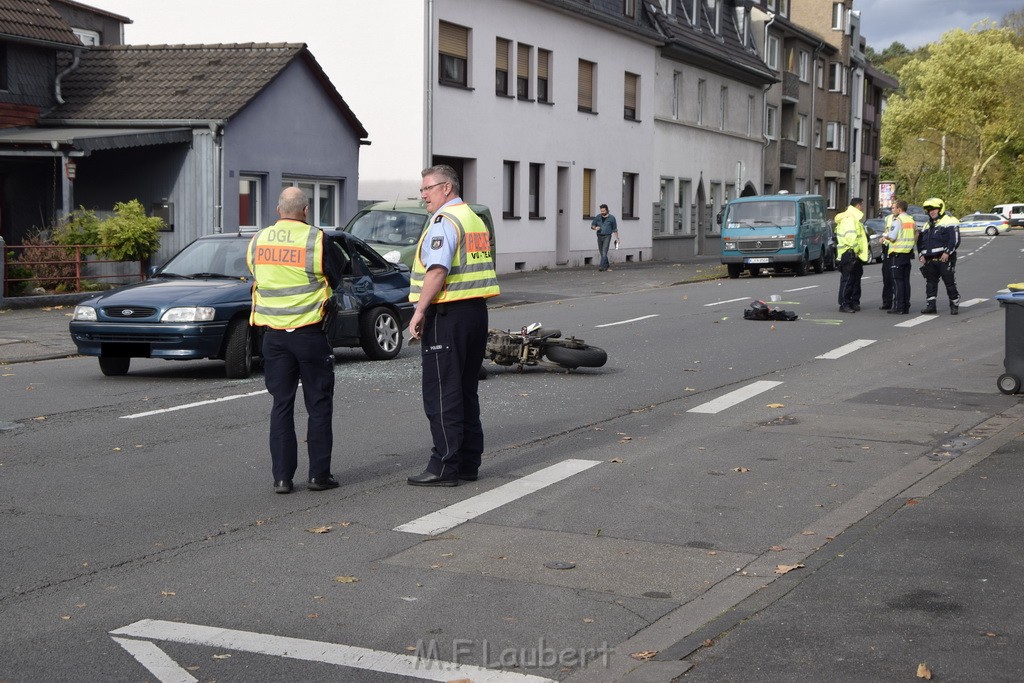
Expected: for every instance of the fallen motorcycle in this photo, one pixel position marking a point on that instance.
(535, 345)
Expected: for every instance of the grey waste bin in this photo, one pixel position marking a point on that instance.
(1009, 382)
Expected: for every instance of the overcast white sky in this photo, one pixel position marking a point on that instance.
(355, 46)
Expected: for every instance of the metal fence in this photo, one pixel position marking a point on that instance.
(62, 268)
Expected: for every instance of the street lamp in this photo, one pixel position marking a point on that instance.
(942, 162)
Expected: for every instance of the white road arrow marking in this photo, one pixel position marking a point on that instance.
(306, 650)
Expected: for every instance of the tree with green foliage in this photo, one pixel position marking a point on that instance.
(958, 105)
(130, 234)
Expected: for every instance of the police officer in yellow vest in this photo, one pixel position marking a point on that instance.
(295, 268)
(900, 238)
(852, 250)
(452, 278)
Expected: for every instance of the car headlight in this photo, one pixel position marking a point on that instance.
(787, 244)
(86, 313)
(728, 245)
(188, 314)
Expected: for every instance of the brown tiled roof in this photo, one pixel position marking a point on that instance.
(35, 20)
(179, 82)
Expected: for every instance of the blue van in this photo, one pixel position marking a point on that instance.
(777, 231)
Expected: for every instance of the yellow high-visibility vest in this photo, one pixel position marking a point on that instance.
(291, 289)
(472, 273)
(904, 243)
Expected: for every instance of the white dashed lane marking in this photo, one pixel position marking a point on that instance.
(454, 515)
(734, 397)
(631, 320)
(846, 348)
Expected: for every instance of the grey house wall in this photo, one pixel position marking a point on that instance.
(180, 174)
(30, 74)
(108, 27)
(291, 129)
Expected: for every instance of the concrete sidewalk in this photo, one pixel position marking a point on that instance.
(36, 328)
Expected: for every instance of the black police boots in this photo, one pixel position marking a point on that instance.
(930, 308)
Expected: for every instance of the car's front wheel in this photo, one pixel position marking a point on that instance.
(380, 334)
(238, 350)
(114, 366)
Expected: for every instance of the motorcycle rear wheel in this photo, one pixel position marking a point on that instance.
(582, 356)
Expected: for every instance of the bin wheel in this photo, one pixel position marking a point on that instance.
(1008, 384)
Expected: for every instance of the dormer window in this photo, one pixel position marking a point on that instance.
(715, 15)
(692, 9)
(668, 7)
(629, 8)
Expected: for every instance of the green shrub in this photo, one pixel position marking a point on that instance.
(17, 276)
(130, 234)
(79, 227)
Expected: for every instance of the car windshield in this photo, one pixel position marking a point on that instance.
(388, 227)
(209, 258)
(767, 214)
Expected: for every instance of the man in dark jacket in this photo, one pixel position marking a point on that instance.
(937, 246)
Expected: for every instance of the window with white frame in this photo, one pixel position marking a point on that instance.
(832, 187)
(250, 203)
(819, 75)
(801, 130)
(585, 86)
(692, 9)
(771, 116)
(784, 7)
(702, 88)
(324, 211)
(771, 53)
(629, 187)
(501, 49)
(715, 15)
(453, 54)
(508, 189)
(630, 96)
(543, 75)
(588, 192)
(835, 76)
(536, 183)
(817, 133)
(88, 38)
(771, 5)
(838, 16)
(668, 7)
(832, 135)
(842, 137)
(523, 71)
(677, 94)
(723, 108)
(804, 66)
(629, 8)
(683, 222)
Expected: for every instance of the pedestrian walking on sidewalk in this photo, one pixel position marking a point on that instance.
(607, 229)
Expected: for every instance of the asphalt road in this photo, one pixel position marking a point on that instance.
(145, 542)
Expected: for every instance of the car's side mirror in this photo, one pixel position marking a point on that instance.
(151, 271)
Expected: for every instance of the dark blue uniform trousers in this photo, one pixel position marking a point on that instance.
(287, 357)
(454, 340)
